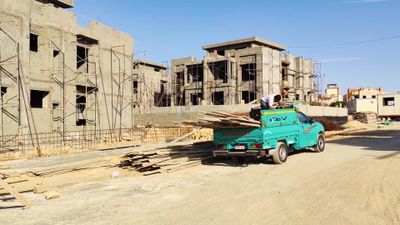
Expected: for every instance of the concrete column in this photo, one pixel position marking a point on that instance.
(206, 71)
(237, 71)
(259, 75)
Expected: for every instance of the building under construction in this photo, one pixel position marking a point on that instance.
(58, 77)
(151, 84)
(241, 71)
(63, 85)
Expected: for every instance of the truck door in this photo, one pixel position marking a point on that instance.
(307, 136)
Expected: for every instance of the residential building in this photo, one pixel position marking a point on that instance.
(151, 84)
(331, 95)
(57, 76)
(240, 71)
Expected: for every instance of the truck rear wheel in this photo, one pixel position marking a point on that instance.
(320, 146)
(281, 153)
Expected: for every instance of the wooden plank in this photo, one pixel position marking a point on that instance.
(14, 193)
(183, 137)
(17, 188)
(54, 171)
(7, 204)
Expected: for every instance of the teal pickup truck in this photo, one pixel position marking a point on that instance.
(281, 132)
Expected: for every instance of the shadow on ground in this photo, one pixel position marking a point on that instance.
(376, 140)
(243, 162)
(203, 152)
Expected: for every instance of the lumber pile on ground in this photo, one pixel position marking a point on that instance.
(365, 117)
(224, 120)
(167, 159)
(10, 192)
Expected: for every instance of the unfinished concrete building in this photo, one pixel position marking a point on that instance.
(240, 71)
(56, 76)
(151, 85)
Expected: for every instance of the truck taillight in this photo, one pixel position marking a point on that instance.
(221, 146)
(259, 146)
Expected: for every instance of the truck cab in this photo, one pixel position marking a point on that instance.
(281, 132)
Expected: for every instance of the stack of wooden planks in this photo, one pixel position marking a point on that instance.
(365, 117)
(224, 120)
(167, 159)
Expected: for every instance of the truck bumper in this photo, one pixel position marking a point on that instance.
(240, 153)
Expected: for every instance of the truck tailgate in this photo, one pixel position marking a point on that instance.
(229, 138)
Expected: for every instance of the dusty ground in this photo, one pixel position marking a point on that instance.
(355, 181)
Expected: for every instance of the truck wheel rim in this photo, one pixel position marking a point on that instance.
(321, 143)
(282, 152)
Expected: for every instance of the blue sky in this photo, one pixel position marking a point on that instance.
(357, 41)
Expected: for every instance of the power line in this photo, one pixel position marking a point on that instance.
(346, 44)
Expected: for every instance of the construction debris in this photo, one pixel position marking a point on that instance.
(167, 159)
(365, 117)
(224, 120)
(115, 174)
(52, 195)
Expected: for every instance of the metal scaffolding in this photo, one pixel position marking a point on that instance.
(15, 108)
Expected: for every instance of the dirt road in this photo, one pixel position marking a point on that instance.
(355, 181)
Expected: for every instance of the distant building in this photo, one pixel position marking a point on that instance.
(363, 105)
(332, 95)
(241, 71)
(384, 105)
(389, 105)
(364, 93)
(151, 85)
(363, 99)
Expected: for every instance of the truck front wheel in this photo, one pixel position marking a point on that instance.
(320, 146)
(281, 153)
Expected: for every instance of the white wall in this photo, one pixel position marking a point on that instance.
(387, 110)
(323, 111)
(363, 105)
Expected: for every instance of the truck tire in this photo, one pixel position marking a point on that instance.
(320, 146)
(281, 153)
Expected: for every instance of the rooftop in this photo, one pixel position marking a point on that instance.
(60, 3)
(365, 88)
(151, 64)
(251, 40)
